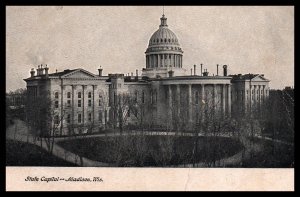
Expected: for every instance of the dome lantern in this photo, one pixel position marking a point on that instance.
(163, 21)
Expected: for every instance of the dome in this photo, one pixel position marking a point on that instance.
(163, 52)
(163, 36)
(163, 39)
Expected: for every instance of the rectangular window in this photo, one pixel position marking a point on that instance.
(89, 95)
(69, 95)
(90, 103)
(79, 118)
(136, 96)
(143, 97)
(79, 94)
(56, 119)
(68, 118)
(56, 104)
(79, 103)
(69, 103)
(100, 102)
(100, 116)
(90, 117)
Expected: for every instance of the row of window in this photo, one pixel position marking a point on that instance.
(79, 95)
(56, 103)
(79, 118)
(166, 40)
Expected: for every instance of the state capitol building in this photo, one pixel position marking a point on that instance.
(165, 94)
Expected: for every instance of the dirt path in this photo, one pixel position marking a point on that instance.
(19, 132)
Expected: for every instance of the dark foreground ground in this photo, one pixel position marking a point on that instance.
(24, 154)
(153, 150)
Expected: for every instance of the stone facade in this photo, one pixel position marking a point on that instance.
(164, 95)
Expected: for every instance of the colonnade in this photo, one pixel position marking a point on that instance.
(225, 102)
(163, 60)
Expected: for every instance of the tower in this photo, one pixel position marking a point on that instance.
(163, 53)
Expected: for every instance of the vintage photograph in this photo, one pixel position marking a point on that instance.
(150, 86)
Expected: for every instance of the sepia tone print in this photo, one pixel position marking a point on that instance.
(161, 112)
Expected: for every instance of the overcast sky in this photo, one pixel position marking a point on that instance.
(248, 39)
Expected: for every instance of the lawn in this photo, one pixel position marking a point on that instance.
(25, 154)
(153, 150)
(272, 155)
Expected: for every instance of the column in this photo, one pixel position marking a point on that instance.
(245, 100)
(215, 97)
(146, 61)
(158, 60)
(223, 98)
(203, 101)
(83, 88)
(62, 115)
(150, 62)
(180, 61)
(229, 99)
(175, 60)
(251, 97)
(178, 98)
(93, 104)
(73, 87)
(190, 102)
(255, 94)
(170, 100)
(163, 60)
(264, 92)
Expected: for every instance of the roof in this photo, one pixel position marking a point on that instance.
(247, 76)
(61, 73)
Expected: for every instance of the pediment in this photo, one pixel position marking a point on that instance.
(259, 78)
(80, 73)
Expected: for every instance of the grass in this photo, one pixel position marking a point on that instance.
(25, 154)
(272, 155)
(151, 150)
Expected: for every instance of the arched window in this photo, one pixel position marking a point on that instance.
(56, 95)
(69, 95)
(79, 94)
(165, 39)
(157, 40)
(172, 39)
(161, 40)
(169, 40)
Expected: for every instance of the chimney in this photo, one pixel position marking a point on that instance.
(225, 70)
(205, 73)
(46, 71)
(131, 74)
(171, 73)
(201, 69)
(38, 71)
(194, 69)
(217, 69)
(42, 70)
(191, 72)
(136, 72)
(32, 72)
(100, 71)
